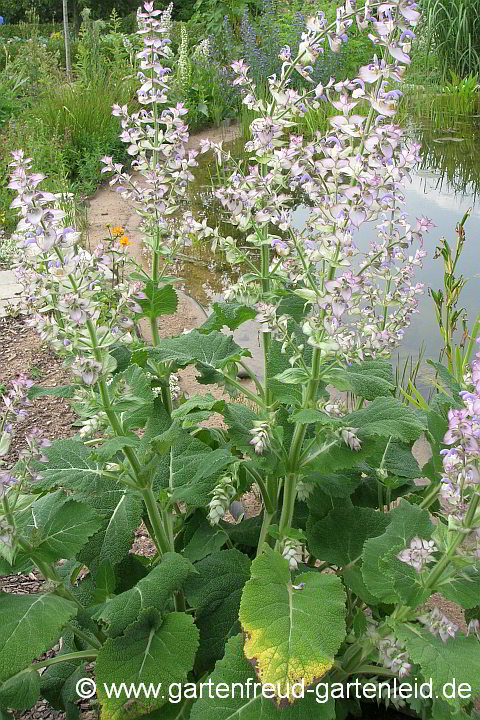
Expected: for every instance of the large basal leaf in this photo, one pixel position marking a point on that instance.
(340, 536)
(226, 314)
(29, 625)
(61, 527)
(457, 659)
(152, 650)
(152, 591)
(160, 300)
(21, 691)
(293, 629)
(214, 350)
(250, 704)
(386, 577)
(369, 379)
(215, 592)
(388, 417)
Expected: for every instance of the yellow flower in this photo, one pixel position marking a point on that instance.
(118, 230)
(124, 240)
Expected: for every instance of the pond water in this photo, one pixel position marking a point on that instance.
(445, 184)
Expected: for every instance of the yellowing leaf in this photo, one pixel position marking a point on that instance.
(294, 628)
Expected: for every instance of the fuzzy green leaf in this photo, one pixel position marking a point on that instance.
(29, 625)
(231, 315)
(115, 538)
(191, 469)
(60, 529)
(371, 379)
(66, 391)
(293, 633)
(160, 300)
(214, 350)
(388, 417)
(458, 658)
(386, 577)
(21, 691)
(215, 593)
(153, 591)
(240, 419)
(150, 651)
(464, 589)
(340, 536)
(235, 671)
(70, 465)
(205, 541)
(292, 376)
(195, 402)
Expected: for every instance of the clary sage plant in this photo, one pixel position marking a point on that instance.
(325, 588)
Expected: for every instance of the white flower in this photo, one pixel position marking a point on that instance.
(419, 554)
(292, 551)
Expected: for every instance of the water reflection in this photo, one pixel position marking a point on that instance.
(446, 184)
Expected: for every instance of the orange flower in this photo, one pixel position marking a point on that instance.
(124, 240)
(118, 230)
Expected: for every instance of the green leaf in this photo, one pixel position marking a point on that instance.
(446, 380)
(191, 468)
(160, 300)
(66, 391)
(340, 536)
(239, 419)
(204, 541)
(235, 671)
(278, 362)
(292, 376)
(112, 446)
(70, 465)
(443, 711)
(115, 538)
(196, 409)
(386, 577)
(369, 379)
(388, 417)
(57, 683)
(227, 314)
(136, 399)
(310, 416)
(245, 533)
(153, 591)
(458, 658)
(29, 625)
(293, 633)
(150, 651)
(215, 593)
(214, 350)
(463, 589)
(21, 691)
(61, 527)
